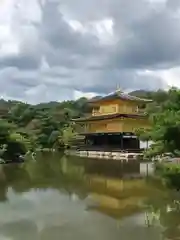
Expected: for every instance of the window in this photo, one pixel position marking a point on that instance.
(114, 109)
(102, 109)
(124, 108)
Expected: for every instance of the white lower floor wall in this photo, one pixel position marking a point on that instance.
(145, 144)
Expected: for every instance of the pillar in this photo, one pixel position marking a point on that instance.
(121, 144)
(138, 143)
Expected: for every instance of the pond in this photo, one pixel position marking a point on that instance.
(55, 197)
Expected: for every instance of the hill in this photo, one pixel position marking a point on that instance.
(141, 93)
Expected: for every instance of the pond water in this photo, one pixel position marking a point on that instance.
(55, 197)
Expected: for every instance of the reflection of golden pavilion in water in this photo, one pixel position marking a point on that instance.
(113, 122)
(107, 191)
(119, 198)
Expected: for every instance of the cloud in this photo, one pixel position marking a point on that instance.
(20, 61)
(55, 50)
(154, 42)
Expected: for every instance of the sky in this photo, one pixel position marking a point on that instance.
(54, 50)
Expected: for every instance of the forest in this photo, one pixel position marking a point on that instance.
(164, 117)
(26, 127)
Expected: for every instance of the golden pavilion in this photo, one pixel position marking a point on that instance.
(113, 122)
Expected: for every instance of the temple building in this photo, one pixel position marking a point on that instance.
(113, 122)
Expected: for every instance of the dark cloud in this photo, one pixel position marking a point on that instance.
(127, 79)
(22, 61)
(26, 82)
(60, 35)
(56, 74)
(173, 4)
(154, 42)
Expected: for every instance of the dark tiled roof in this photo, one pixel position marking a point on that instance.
(119, 95)
(110, 116)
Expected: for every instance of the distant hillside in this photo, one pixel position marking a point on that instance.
(158, 96)
(141, 93)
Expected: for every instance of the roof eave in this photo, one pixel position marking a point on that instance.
(105, 117)
(106, 98)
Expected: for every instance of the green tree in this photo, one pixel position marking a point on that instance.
(165, 131)
(53, 140)
(5, 129)
(67, 136)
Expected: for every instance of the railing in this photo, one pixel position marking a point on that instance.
(96, 113)
(138, 111)
(141, 111)
(106, 148)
